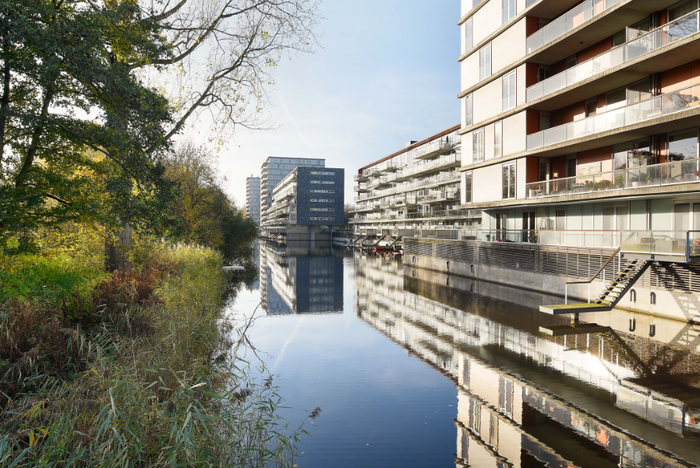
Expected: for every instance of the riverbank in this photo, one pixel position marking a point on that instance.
(134, 368)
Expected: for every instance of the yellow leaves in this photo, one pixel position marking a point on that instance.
(35, 411)
(37, 435)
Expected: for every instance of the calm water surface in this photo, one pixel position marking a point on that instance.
(425, 370)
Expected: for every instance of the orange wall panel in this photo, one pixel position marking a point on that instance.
(532, 172)
(595, 49)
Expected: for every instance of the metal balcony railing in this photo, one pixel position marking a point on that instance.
(653, 40)
(655, 107)
(670, 173)
(567, 22)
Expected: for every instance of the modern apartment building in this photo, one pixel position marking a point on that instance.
(252, 198)
(308, 196)
(579, 129)
(273, 170)
(414, 191)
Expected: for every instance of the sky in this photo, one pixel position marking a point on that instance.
(385, 73)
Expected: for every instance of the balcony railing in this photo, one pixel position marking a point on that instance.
(674, 172)
(657, 38)
(680, 245)
(434, 148)
(658, 106)
(441, 162)
(568, 21)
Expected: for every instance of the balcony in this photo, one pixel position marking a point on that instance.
(567, 22)
(434, 148)
(360, 178)
(362, 188)
(656, 39)
(656, 175)
(675, 246)
(443, 162)
(659, 106)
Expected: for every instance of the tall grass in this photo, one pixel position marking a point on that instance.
(146, 377)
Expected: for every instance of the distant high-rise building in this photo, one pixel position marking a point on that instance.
(252, 198)
(273, 170)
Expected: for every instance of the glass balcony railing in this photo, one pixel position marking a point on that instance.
(568, 21)
(674, 172)
(597, 239)
(657, 38)
(682, 244)
(658, 106)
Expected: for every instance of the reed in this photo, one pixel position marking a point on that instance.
(147, 375)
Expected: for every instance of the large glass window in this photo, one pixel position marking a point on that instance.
(683, 145)
(509, 181)
(485, 61)
(508, 10)
(478, 145)
(469, 35)
(509, 91)
(498, 139)
(682, 9)
(633, 154)
(469, 109)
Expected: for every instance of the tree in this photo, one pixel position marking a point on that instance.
(207, 215)
(92, 93)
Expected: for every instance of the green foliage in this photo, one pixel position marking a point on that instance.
(208, 216)
(148, 378)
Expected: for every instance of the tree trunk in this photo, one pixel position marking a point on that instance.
(115, 252)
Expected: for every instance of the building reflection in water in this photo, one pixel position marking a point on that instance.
(300, 279)
(529, 399)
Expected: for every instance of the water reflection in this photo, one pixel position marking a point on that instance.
(302, 278)
(612, 398)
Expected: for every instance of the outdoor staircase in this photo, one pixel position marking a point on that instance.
(622, 283)
(614, 291)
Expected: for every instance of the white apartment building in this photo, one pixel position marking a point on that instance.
(414, 191)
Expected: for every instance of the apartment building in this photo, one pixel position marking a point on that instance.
(308, 196)
(252, 199)
(579, 129)
(581, 117)
(414, 191)
(273, 170)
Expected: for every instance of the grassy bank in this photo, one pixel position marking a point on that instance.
(133, 368)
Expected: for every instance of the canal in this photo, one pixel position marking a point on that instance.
(414, 368)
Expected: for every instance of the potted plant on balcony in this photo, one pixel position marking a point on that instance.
(637, 159)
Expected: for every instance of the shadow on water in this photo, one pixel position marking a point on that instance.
(529, 389)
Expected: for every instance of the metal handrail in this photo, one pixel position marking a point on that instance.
(591, 279)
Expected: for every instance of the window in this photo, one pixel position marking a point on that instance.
(509, 181)
(323, 182)
(509, 91)
(322, 200)
(469, 109)
(498, 139)
(591, 107)
(485, 62)
(468, 35)
(467, 187)
(616, 99)
(322, 191)
(570, 62)
(322, 173)
(682, 9)
(323, 209)
(508, 10)
(560, 220)
(683, 145)
(478, 145)
(543, 73)
(321, 219)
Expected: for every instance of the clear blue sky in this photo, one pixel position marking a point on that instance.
(386, 73)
